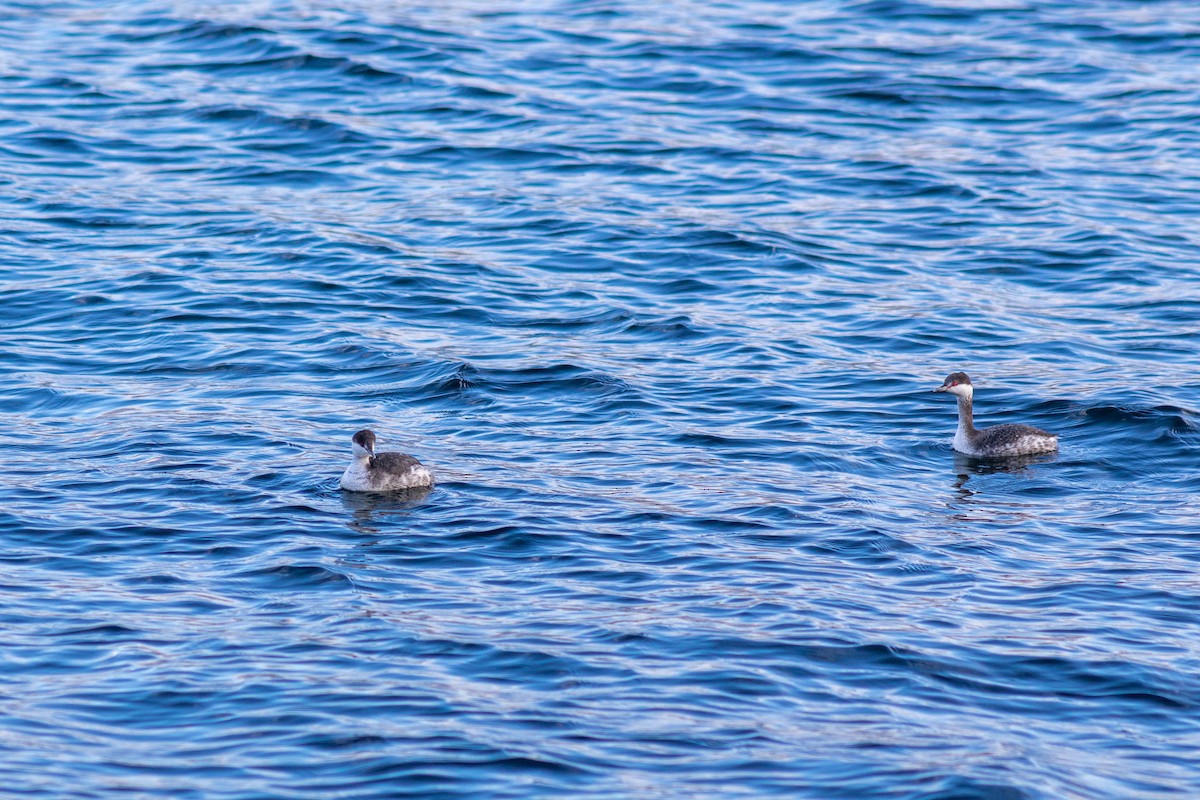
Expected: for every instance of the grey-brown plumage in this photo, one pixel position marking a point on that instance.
(394, 462)
(998, 441)
(381, 472)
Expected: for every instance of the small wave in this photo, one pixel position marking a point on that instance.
(294, 577)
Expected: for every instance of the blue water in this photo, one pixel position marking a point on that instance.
(659, 291)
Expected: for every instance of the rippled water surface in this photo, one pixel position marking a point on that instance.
(659, 291)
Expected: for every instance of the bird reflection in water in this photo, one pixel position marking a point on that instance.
(966, 466)
(368, 508)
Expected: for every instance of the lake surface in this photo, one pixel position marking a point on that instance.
(660, 292)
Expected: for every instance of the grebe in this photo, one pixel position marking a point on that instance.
(385, 472)
(998, 441)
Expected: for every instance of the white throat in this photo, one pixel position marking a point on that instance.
(357, 477)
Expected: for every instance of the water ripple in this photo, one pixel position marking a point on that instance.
(660, 293)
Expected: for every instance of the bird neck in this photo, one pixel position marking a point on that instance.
(965, 421)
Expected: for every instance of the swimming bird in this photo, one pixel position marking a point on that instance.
(998, 441)
(384, 472)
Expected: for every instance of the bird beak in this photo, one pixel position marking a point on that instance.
(945, 387)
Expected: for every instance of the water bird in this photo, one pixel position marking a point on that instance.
(381, 472)
(998, 441)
